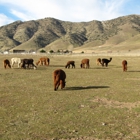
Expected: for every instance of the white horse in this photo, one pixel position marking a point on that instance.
(16, 61)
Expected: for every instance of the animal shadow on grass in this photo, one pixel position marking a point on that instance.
(134, 71)
(84, 88)
(100, 68)
(57, 66)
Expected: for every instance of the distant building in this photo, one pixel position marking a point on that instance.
(19, 51)
(5, 52)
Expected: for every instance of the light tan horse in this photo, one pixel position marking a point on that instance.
(98, 61)
(15, 61)
(85, 63)
(43, 61)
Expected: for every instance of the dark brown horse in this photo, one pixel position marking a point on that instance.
(28, 63)
(85, 63)
(72, 63)
(106, 61)
(124, 65)
(6, 63)
(43, 61)
(59, 77)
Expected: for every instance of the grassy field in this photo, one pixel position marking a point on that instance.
(97, 104)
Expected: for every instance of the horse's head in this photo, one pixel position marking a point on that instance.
(63, 83)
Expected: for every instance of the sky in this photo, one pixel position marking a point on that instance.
(66, 10)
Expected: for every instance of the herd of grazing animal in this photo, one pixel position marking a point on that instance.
(59, 75)
(25, 63)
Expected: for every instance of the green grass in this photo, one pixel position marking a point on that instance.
(97, 103)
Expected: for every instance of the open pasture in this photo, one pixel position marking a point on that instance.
(101, 103)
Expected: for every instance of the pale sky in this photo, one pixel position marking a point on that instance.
(66, 10)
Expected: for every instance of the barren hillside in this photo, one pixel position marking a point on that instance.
(122, 33)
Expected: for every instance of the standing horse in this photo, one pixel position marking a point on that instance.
(106, 61)
(28, 63)
(43, 61)
(85, 63)
(59, 77)
(6, 63)
(124, 65)
(15, 61)
(98, 61)
(72, 63)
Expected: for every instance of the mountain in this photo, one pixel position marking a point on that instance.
(122, 33)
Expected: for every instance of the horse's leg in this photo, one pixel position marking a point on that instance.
(42, 63)
(5, 65)
(34, 67)
(56, 84)
(45, 63)
(9, 65)
(12, 64)
(62, 84)
(123, 67)
(18, 64)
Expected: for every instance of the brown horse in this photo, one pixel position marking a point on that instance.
(124, 65)
(6, 63)
(98, 61)
(59, 77)
(43, 61)
(72, 63)
(85, 63)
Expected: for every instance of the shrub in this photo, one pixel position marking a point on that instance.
(42, 51)
(51, 51)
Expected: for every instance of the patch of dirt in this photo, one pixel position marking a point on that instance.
(116, 104)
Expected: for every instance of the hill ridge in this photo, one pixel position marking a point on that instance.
(54, 34)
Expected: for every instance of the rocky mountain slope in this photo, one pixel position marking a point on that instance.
(122, 33)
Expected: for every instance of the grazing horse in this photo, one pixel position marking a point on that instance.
(6, 63)
(15, 61)
(28, 63)
(124, 65)
(85, 63)
(72, 63)
(43, 61)
(105, 61)
(98, 61)
(59, 77)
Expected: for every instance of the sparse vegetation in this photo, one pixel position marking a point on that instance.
(51, 51)
(42, 51)
(97, 103)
